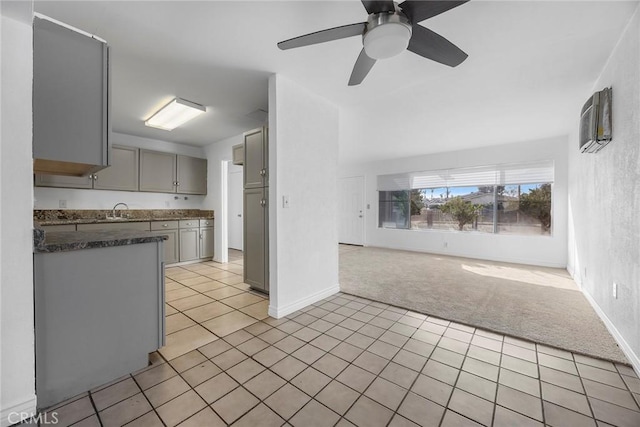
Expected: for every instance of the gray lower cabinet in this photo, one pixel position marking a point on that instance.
(61, 227)
(121, 175)
(171, 245)
(71, 108)
(196, 239)
(206, 242)
(256, 242)
(189, 244)
(98, 314)
(124, 225)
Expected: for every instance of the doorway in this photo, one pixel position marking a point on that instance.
(235, 209)
(351, 202)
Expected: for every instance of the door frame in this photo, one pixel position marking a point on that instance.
(229, 213)
(223, 255)
(364, 215)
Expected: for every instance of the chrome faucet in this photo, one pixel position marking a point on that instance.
(113, 211)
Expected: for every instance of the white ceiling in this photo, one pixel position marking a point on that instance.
(530, 63)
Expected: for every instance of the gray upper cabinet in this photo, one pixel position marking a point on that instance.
(157, 171)
(172, 173)
(71, 117)
(123, 172)
(63, 181)
(237, 154)
(256, 159)
(192, 175)
(121, 175)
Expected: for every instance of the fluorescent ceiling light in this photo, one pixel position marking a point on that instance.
(174, 114)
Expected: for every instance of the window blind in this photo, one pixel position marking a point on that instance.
(504, 174)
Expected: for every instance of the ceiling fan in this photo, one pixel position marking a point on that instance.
(390, 29)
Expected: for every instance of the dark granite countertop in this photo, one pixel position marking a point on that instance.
(93, 216)
(61, 241)
(105, 220)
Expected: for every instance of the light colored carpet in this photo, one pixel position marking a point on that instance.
(535, 303)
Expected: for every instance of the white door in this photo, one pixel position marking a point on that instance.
(351, 193)
(234, 198)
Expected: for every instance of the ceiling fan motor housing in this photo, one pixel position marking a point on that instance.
(386, 35)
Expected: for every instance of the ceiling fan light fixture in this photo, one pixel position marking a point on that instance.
(174, 114)
(387, 40)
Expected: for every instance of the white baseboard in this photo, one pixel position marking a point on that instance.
(12, 413)
(279, 312)
(624, 346)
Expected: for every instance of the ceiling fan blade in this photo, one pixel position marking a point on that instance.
(419, 10)
(425, 42)
(324, 36)
(378, 6)
(361, 69)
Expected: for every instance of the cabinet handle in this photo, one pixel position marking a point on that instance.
(263, 172)
(263, 203)
(91, 176)
(95, 177)
(200, 236)
(165, 225)
(177, 184)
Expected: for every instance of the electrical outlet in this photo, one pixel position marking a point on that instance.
(615, 290)
(62, 204)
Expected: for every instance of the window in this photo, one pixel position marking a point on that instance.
(506, 199)
(393, 209)
(525, 209)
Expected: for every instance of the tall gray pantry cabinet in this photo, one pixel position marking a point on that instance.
(256, 209)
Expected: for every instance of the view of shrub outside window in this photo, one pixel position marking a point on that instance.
(519, 209)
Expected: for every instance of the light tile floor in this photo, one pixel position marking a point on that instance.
(345, 361)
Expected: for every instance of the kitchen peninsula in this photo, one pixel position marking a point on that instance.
(99, 307)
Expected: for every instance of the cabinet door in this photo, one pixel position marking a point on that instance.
(237, 154)
(192, 175)
(123, 172)
(254, 159)
(61, 227)
(63, 181)
(171, 254)
(189, 244)
(70, 96)
(255, 211)
(157, 171)
(206, 242)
